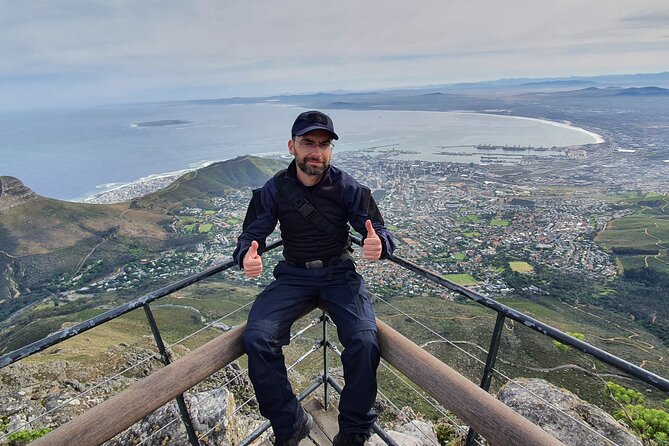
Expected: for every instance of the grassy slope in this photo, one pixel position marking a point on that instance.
(197, 188)
(646, 228)
(524, 352)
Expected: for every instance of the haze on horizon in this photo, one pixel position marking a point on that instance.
(66, 52)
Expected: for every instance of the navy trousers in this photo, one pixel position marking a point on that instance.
(340, 290)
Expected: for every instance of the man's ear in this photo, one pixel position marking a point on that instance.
(291, 146)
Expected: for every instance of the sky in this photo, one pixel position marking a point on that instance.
(73, 52)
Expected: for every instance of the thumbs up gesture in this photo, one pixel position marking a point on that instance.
(252, 262)
(371, 246)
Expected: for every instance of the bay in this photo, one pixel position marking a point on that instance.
(71, 154)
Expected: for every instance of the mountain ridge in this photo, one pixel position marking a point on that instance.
(43, 238)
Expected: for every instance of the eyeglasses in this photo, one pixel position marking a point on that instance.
(311, 144)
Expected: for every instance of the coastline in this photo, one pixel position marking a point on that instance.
(599, 139)
(122, 192)
(112, 193)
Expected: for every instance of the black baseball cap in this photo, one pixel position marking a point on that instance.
(313, 120)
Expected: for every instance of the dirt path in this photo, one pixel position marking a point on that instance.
(630, 340)
(103, 241)
(8, 255)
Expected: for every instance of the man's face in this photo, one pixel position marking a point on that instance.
(312, 152)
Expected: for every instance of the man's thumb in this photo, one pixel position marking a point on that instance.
(253, 250)
(370, 229)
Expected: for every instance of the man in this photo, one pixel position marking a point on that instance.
(314, 203)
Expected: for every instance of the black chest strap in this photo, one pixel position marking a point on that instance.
(296, 195)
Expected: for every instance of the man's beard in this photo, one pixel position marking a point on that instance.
(311, 170)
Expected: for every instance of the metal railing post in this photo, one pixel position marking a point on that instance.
(181, 402)
(489, 367)
(325, 360)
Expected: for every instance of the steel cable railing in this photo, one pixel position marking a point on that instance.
(505, 311)
(437, 407)
(66, 402)
(500, 373)
(500, 309)
(146, 299)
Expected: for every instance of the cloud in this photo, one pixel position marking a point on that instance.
(146, 50)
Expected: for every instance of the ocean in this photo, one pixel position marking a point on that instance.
(72, 154)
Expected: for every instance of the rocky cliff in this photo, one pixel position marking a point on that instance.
(564, 415)
(14, 193)
(45, 394)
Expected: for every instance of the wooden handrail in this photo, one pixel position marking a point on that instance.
(121, 411)
(495, 421)
(498, 423)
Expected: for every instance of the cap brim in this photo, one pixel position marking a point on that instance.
(316, 127)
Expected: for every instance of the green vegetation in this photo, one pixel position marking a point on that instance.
(459, 256)
(196, 188)
(641, 238)
(446, 434)
(565, 348)
(498, 222)
(652, 425)
(640, 292)
(22, 437)
(468, 218)
(461, 279)
(205, 228)
(520, 267)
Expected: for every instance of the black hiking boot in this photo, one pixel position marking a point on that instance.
(350, 439)
(300, 434)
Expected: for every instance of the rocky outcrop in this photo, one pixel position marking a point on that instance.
(50, 393)
(413, 433)
(564, 415)
(14, 193)
(212, 413)
(408, 429)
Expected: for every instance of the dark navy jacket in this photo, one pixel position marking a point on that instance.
(338, 197)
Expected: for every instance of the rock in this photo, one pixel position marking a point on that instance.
(14, 193)
(49, 394)
(564, 415)
(413, 433)
(210, 411)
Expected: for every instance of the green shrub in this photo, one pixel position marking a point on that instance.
(564, 347)
(23, 437)
(445, 433)
(652, 425)
(624, 395)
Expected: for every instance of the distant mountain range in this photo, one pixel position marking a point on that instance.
(594, 92)
(510, 96)
(343, 99)
(615, 80)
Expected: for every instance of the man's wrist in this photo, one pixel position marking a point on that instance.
(242, 255)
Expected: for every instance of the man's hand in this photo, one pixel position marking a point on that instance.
(371, 246)
(252, 262)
